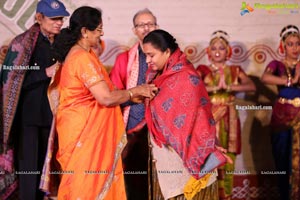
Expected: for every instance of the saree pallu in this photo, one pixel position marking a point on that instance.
(229, 135)
(90, 136)
(180, 115)
(227, 121)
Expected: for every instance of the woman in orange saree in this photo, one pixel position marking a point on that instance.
(88, 120)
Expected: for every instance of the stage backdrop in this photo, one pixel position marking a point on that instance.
(254, 36)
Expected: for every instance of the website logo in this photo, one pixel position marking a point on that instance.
(246, 8)
(278, 8)
(270, 8)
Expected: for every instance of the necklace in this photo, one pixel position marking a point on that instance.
(82, 46)
(216, 68)
(288, 69)
(290, 64)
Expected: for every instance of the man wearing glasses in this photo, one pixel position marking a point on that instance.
(26, 113)
(130, 70)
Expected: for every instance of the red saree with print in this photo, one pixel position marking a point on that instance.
(180, 116)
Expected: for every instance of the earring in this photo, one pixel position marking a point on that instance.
(282, 47)
(208, 53)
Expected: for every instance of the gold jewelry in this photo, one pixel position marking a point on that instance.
(295, 102)
(216, 68)
(289, 81)
(290, 64)
(228, 88)
(130, 94)
(215, 89)
(288, 71)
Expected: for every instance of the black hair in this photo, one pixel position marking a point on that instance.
(161, 40)
(216, 35)
(283, 34)
(84, 16)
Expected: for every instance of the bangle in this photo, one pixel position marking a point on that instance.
(289, 81)
(228, 88)
(130, 94)
(215, 89)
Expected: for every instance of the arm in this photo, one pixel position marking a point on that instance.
(268, 77)
(246, 84)
(92, 76)
(204, 72)
(105, 97)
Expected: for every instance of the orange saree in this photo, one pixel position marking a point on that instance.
(90, 136)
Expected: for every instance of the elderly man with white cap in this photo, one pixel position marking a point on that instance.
(25, 125)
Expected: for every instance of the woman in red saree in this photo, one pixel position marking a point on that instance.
(222, 81)
(88, 120)
(180, 122)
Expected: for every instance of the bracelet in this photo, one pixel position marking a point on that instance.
(215, 89)
(289, 81)
(130, 94)
(228, 88)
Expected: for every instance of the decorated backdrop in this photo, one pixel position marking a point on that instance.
(253, 27)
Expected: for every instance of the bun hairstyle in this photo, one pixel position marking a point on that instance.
(285, 33)
(161, 40)
(84, 16)
(224, 37)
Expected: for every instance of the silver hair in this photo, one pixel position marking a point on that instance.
(143, 11)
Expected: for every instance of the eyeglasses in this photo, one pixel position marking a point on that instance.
(142, 26)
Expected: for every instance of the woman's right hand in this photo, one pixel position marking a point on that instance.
(144, 91)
